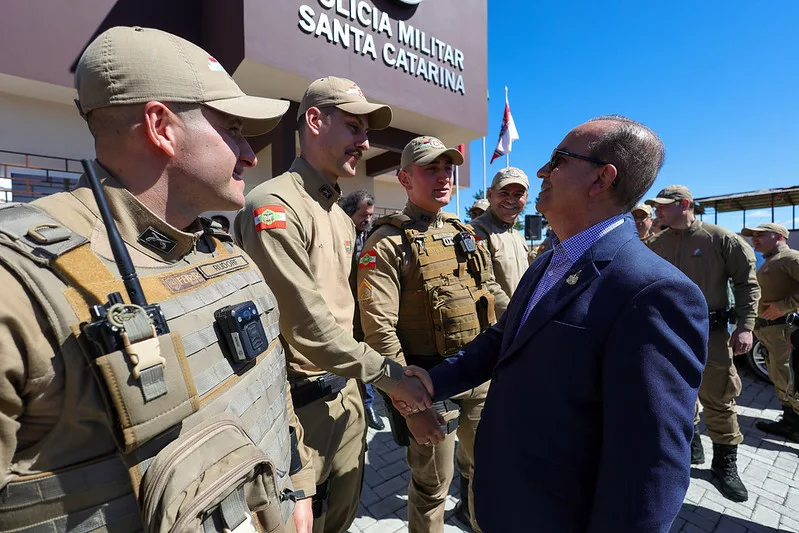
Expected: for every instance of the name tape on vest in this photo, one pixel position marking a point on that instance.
(231, 264)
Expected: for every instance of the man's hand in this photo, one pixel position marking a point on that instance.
(425, 427)
(424, 377)
(741, 341)
(303, 515)
(771, 311)
(411, 396)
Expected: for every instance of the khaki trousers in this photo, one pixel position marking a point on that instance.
(777, 340)
(720, 386)
(335, 430)
(432, 467)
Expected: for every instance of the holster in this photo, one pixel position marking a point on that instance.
(399, 429)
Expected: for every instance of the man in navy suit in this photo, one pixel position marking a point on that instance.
(596, 364)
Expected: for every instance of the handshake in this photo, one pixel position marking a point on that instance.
(412, 398)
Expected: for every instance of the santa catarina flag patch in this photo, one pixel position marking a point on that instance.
(368, 259)
(270, 217)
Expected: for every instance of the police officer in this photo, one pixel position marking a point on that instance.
(425, 289)
(478, 208)
(302, 241)
(642, 214)
(711, 256)
(86, 428)
(778, 278)
(510, 255)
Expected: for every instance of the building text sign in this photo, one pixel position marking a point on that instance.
(359, 26)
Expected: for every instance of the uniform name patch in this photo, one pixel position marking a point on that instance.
(270, 217)
(364, 291)
(231, 264)
(368, 259)
(182, 281)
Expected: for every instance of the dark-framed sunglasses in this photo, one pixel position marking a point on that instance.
(557, 153)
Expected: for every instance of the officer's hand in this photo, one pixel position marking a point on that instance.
(426, 427)
(741, 341)
(410, 396)
(303, 515)
(771, 311)
(424, 377)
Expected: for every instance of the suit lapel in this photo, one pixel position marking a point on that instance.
(518, 304)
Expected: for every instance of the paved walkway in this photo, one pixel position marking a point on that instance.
(769, 468)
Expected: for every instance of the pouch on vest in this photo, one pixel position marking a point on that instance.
(141, 419)
(213, 478)
(454, 318)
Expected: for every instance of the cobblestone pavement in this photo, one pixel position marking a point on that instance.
(768, 467)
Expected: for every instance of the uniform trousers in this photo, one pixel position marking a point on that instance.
(720, 386)
(335, 430)
(777, 340)
(432, 467)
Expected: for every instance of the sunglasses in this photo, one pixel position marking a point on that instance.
(557, 154)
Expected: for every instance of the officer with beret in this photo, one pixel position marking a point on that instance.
(711, 257)
(778, 278)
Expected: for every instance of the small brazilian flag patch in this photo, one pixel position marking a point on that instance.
(348, 246)
(368, 259)
(270, 217)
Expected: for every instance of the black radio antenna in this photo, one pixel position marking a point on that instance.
(129, 277)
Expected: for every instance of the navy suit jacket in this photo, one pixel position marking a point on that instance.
(589, 418)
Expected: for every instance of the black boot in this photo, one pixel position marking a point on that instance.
(787, 427)
(462, 507)
(697, 452)
(372, 420)
(725, 468)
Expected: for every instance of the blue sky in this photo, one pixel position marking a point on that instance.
(718, 81)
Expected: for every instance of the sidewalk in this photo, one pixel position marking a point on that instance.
(768, 468)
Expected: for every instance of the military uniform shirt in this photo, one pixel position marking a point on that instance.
(32, 384)
(779, 279)
(510, 256)
(379, 288)
(710, 255)
(303, 242)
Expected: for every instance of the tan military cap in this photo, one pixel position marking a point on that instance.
(768, 226)
(424, 150)
(132, 65)
(509, 175)
(482, 203)
(347, 96)
(670, 194)
(642, 207)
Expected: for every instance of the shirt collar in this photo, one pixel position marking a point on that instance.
(499, 222)
(315, 184)
(139, 227)
(428, 218)
(576, 245)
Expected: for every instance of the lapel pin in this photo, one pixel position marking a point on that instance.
(571, 280)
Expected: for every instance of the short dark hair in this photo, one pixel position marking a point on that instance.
(351, 202)
(637, 153)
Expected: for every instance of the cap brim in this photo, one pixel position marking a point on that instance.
(379, 115)
(453, 153)
(641, 210)
(260, 115)
(660, 201)
(748, 232)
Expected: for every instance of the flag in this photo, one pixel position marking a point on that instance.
(507, 134)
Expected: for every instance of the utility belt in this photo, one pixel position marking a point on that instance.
(721, 317)
(306, 392)
(791, 319)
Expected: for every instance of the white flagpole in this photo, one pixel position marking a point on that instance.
(507, 154)
(484, 167)
(457, 195)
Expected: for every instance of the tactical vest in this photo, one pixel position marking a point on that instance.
(444, 302)
(201, 445)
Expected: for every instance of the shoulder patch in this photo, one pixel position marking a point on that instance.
(368, 259)
(364, 291)
(270, 217)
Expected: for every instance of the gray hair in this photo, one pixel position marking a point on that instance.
(637, 153)
(351, 202)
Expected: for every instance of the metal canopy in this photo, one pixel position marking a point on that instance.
(744, 201)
